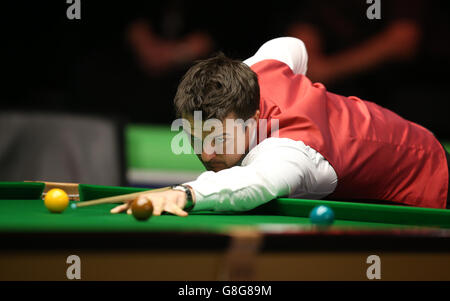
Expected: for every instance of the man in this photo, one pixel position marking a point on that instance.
(318, 145)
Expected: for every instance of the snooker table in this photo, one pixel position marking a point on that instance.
(273, 242)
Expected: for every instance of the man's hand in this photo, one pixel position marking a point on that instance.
(172, 201)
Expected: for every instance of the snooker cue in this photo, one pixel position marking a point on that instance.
(118, 198)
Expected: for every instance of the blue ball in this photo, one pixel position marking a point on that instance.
(321, 215)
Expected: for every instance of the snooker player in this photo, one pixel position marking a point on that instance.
(326, 145)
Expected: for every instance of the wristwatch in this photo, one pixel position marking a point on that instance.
(189, 200)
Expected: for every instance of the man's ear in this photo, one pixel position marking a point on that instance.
(256, 115)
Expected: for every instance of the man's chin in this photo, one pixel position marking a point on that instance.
(216, 168)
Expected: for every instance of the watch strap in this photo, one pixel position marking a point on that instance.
(189, 200)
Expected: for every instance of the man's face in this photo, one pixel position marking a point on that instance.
(223, 144)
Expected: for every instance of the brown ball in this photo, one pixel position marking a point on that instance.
(142, 209)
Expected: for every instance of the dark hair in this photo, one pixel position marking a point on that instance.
(218, 86)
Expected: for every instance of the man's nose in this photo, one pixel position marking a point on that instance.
(207, 156)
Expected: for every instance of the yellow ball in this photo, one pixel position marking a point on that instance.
(56, 200)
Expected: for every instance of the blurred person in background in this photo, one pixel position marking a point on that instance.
(162, 44)
(399, 61)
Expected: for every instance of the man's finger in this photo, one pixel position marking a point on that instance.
(119, 208)
(177, 211)
(157, 211)
(157, 208)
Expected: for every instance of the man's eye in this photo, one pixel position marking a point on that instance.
(194, 139)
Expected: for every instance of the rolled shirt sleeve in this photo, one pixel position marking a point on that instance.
(291, 51)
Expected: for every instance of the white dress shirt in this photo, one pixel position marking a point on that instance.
(276, 167)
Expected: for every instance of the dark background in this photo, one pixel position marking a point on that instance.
(89, 66)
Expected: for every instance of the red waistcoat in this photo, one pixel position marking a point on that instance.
(376, 154)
